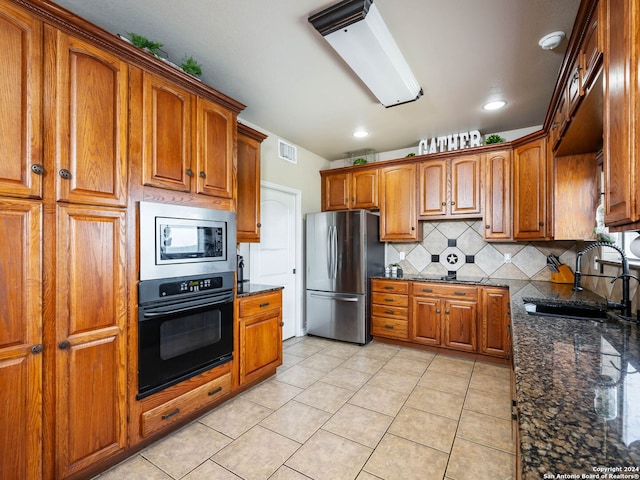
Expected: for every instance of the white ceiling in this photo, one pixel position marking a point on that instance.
(266, 55)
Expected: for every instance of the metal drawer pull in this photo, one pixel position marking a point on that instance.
(171, 414)
(266, 304)
(390, 327)
(388, 287)
(213, 392)
(388, 299)
(427, 290)
(389, 312)
(459, 293)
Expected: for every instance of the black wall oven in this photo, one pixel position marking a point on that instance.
(185, 327)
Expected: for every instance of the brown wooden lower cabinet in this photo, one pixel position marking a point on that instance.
(260, 335)
(389, 309)
(160, 416)
(458, 317)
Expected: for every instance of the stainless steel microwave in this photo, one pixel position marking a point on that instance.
(178, 240)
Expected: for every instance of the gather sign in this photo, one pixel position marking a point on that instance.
(447, 143)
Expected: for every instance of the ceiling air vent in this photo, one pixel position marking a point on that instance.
(287, 152)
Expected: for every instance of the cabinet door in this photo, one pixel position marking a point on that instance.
(91, 295)
(166, 149)
(621, 131)
(260, 345)
(215, 144)
(425, 320)
(335, 191)
(498, 219)
(21, 105)
(495, 316)
(398, 219)
(591, 50)
(21, 340)
(465, 186)
(433, 188)
(459, 325)
(248, 201)
(90, 121)
(530, 191)
(364, 188)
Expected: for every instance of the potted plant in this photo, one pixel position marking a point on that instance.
(144, 43)
(495, 138)
(360, 161)
(191, 66)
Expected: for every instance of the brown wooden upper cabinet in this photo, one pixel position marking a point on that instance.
(450, 188)
(398, 218)
(350, 190)
(172, 118)
(621, 111)
(530, 191)
(248, 198)
(21, 105)
(89, 92)
(498, 216)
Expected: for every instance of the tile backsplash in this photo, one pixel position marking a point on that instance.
(458, 246)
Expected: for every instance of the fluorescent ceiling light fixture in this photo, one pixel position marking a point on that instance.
(355, 29)
(495, 105)
(360, 133)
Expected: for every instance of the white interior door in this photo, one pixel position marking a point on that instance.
(274, 260)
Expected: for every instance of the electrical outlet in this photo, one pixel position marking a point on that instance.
(507, 258)
(401, 255)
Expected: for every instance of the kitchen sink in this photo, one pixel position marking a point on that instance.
(566, 309)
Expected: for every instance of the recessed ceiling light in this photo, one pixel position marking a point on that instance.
(360, 133)
(495, 105)
(551, 40)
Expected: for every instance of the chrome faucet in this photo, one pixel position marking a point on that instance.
(625, 304)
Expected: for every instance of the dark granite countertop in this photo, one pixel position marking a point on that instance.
(562, 367)
(246, 289)
(442, 279)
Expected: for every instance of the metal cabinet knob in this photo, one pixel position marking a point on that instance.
(37, 348)
(37, 169)
(64, 173)
(64, 345)
(203, 175)
(189, 172)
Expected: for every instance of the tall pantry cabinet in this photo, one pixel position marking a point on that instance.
(62, 219)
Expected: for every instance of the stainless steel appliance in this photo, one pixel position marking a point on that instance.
(185, 327)
(342, 251)
(177, 240)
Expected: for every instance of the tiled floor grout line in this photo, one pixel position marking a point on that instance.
(310, 347)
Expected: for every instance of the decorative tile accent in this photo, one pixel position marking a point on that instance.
(452, 258)
(435, 258)
(451, 242)
(469, 259)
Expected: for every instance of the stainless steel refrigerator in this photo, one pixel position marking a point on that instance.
(342, 250)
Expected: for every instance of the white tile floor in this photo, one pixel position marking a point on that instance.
(341, 411)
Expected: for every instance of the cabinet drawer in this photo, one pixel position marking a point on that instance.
(390, 286)
(388, 327)
(421, 289)
(399, 313)
(255, 304)
(178, 408)
(389, 299)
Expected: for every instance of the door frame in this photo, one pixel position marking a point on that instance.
(298, 294)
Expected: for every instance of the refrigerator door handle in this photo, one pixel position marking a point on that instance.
(329, 252)
(335, 252)
(331, 297)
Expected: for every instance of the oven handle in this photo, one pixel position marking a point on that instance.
(179, 310)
